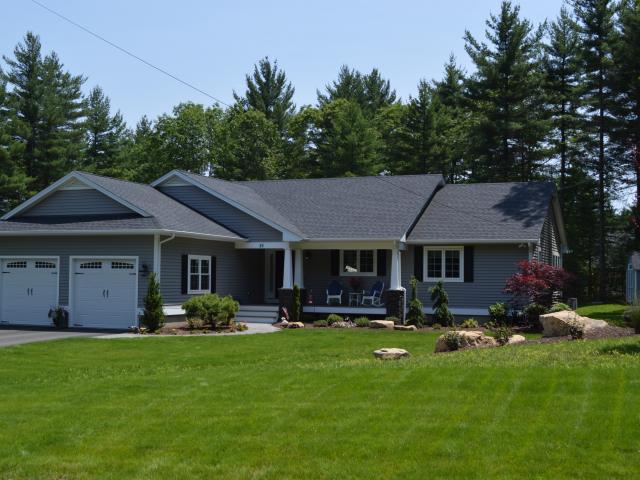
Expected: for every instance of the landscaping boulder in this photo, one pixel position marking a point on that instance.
(295, 325)
(405, 328)
(558, 324)
(513, 339)
(391, 353)
(381, 324)
(457, 339)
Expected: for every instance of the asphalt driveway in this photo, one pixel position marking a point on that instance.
(18, 336)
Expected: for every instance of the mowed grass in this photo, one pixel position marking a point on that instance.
(315, 404)
(611, 312)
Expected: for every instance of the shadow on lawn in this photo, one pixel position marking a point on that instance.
(624, 349)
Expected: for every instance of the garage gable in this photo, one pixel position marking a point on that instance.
(75, 195)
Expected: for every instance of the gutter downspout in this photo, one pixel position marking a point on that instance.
(157, 252)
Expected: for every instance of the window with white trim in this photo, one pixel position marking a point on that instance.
(444, 263)
(199, 274)
(358, 263)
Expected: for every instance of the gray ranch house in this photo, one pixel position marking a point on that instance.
(88, 243)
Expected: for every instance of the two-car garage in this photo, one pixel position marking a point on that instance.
(102, 291)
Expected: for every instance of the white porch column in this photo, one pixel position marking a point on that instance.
(395, 269)
(286, 274)
(298, 277)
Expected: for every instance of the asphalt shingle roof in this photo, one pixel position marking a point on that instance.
(164, 213)
(380, 207)
(485, 211)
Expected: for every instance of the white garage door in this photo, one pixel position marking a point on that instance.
(29, 289)
(104, 293)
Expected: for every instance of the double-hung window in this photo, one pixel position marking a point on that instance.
(444, 263)
(358, 263)
(199, 274)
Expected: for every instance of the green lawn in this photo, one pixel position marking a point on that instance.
(315, 404)
(611, 312)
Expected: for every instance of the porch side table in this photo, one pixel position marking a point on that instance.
(354, 298)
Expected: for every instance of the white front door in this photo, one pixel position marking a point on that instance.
(29, 289)
(104, 293)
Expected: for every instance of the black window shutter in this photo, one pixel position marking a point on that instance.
(212, 280)
(418, 252)
(185, 274)
(382, 263)
(335, 263)
(468, 264)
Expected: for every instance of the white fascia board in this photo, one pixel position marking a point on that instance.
(40, 196)
(466, 241)
(59, 233)
(338, 244)
(287, 234)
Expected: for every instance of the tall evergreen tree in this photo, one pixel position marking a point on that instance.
(596, 30)
(105, 134)
(269, 92)
(45, 103)
(505, 94)
(142, 158)
(13, 181)
(626, 56)
(420, 131)
(561, 84)
(346, 142)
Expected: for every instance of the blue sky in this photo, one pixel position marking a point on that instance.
(212, 44)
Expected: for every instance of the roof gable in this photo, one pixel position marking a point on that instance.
(74, 181)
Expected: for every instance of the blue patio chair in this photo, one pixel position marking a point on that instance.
(374, 297)
(334, 292)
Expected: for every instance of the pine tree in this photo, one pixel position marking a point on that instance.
(346, 141)
(13, 181)
(420, 132)
(45, 103)
(451, 123)
(378, 93)
(596, 29)
(626, 79)
(105, 135)
(348, 86)
(561, 86)
(505, 93)
(142, 160)
(269, 92)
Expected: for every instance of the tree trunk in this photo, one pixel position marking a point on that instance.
(602, 257)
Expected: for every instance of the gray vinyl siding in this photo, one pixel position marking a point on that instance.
(239, 273)
(549, 240)
(77, 202)
(492, 265)
(317, 275)
(223, 213)
(64, 247)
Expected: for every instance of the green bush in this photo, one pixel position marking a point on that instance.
(320, 323)
(498, 313)
(632, 317)
(334, 318)
(559, 307)
(59, 316)
(415, 312)
(576, 330)
(440, 299)
(297, 304)
(362, 322)
(395, 320)
(153, 316)
(436, 326)
(212, 309)
(533, 312)
(501, 333)
(470, 323)
(194, 323)
(453, 340)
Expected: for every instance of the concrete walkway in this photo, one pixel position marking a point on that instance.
(19, 336)
(253, 328)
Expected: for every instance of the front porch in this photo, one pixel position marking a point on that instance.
(354, 266)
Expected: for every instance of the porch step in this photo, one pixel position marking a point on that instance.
(257, 313)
